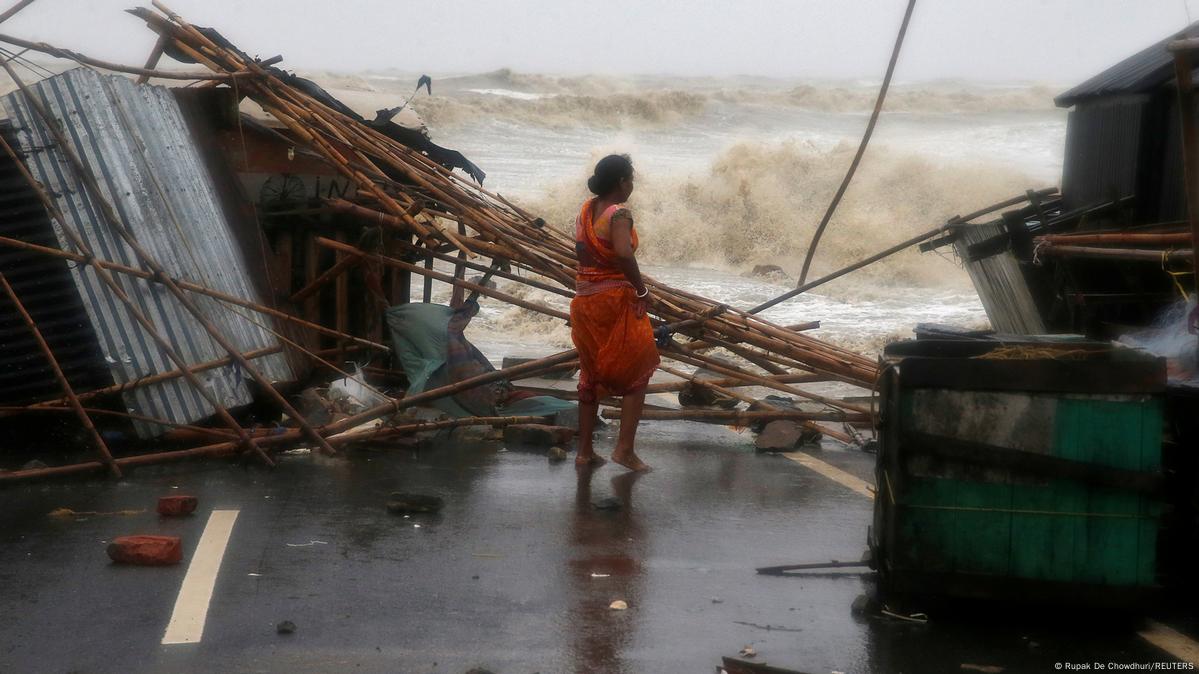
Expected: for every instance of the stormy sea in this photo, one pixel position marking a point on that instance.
(734, 173)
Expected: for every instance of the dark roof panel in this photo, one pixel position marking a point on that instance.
(1144, 71)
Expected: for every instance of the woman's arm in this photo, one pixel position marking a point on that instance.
(622, 244)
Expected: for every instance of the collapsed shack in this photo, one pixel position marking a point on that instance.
(1071, 282)
(1112, 256)
(185, 266)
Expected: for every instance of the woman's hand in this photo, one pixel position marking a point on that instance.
(641, 303)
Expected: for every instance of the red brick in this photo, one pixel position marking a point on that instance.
(146, 550)
(175, 506)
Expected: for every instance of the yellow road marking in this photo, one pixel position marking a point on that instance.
(191, 607)
(832, 472)
(1171, 641)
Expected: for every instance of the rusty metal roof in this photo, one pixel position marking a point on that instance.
(134, 139)
(1144, 71)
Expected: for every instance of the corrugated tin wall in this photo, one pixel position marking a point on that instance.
(1001, 285)
(1103, 144)
(47, 291)
(135, 141)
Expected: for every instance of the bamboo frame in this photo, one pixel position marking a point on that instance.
(190, 287)
(160, 377)
(422, 202)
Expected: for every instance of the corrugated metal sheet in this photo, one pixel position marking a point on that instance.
(1000, 283)
(1103, 151)
(135, 141)
(1172, 200)
(1146, 70)
(47, 291)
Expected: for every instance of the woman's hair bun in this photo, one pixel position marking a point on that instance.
(609, 171)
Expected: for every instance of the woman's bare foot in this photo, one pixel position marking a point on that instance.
(629, 459)
(591, 459)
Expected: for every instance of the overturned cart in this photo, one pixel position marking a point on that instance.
(1026, 470)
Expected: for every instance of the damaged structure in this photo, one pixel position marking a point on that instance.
(135, 140)
(190, 257)
(1063, 439)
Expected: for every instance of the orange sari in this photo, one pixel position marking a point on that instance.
(617, 353)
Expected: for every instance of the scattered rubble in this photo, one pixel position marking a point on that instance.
(146, 550)
(177, 506)
(538, 435)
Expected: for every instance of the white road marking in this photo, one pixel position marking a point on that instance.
(191, 608)
(832, 472)
(1162, 636)
(1171, 641)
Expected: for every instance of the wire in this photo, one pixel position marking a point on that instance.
(857, 159)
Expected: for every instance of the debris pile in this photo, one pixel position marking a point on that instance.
(204, 333)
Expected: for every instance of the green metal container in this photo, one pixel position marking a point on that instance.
(1019, 471)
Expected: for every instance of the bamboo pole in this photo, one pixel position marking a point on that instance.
(904, 245)
(158, 378)
(533, 283)
(76, 406)
(190, 287)
(227, 448)
(733, 382)
(152, 61)
(116, 67)
(1121, 238)
(429, 273)
(17, 6)
(132, 416)
(408, 429)
(710, 384)
(1134, 254)
(732, 371)
(340, 267)
(738, 416)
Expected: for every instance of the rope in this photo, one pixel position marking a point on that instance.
(1175, 274)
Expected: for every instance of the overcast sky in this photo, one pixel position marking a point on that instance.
(1057, 41)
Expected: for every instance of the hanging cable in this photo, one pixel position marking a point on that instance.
(853, 166)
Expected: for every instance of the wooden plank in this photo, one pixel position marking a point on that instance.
(1062, 376)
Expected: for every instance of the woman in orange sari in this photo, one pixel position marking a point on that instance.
(609, 325)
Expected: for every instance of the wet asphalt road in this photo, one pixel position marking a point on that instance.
(515, 575)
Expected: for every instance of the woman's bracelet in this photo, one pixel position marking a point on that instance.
(643, 294)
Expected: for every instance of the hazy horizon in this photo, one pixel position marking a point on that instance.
(963, 40)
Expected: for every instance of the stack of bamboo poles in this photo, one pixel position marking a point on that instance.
(405, 191)
(1165, 246)
(438, 215)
